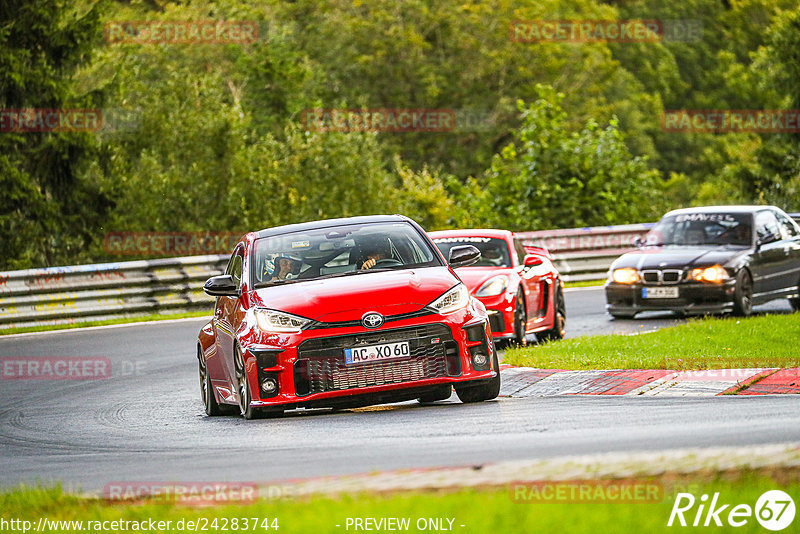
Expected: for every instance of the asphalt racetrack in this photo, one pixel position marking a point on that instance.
(146, 422)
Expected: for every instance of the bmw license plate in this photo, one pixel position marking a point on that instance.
(387, 351)
(659, 292)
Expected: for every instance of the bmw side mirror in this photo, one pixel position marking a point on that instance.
(463, 255)
(768, 238)
(221, 286)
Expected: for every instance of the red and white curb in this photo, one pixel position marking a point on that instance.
(531, 382)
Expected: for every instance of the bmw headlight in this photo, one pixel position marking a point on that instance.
(626, 275)
(493, 286)
(453, 299)
(279, 322)
(714, 274)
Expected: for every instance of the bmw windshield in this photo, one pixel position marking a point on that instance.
(702, 229)
(339, 251)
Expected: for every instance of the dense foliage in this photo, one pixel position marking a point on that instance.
(209, 136)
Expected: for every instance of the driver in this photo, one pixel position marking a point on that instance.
(374, 250)
(285, 267)
(492, 255)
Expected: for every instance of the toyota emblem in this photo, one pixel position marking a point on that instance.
(372, 320)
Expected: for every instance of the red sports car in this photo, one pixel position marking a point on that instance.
(343, 313)
(518, 284)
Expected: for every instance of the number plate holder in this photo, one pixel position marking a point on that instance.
(371, 353)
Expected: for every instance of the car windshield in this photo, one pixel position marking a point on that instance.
(702, 229)
(339, 251)
(494, 252)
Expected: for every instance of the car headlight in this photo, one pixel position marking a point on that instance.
(493, 286)
(454, 299)
(626, 275)
(279, 322)
(714, 274)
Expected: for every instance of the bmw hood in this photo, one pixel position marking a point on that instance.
(348, 298)
(678, 257)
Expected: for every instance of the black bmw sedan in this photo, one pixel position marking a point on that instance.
(714, 259)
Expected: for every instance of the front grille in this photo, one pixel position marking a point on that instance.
(659, 277)
(321, 366)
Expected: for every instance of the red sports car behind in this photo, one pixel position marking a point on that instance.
(518, 284)
(343, 313)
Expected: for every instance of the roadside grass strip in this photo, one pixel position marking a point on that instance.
(639, 492)
(768, 341)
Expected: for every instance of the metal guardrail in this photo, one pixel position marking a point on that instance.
(582, 254)
(64, 295)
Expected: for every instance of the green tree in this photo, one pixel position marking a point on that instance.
(551, 177)
(49, 211)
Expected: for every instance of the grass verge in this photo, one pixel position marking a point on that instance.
(585, 283)
(471, 510)
(711, 343)
(122, 320)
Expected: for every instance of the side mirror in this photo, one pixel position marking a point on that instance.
(221, 286)
(463, 255)
(532, 260)
(638, 241)
(768, 238)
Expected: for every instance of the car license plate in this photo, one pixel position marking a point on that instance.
(387, 351)
(659, 292)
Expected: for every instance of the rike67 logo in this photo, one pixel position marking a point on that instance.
(774, 510)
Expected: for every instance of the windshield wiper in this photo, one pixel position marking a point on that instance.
(277, 282)
(349, 273)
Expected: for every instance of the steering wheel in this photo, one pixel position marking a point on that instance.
(387, 262)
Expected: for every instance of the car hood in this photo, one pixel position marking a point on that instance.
(475, 277)
(348, 298)
(677, 257)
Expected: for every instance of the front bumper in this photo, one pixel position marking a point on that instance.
(694, 298)
(310, 369)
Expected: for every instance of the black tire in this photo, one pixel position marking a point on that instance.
(243, 388)
(559, 329)
(743, 294)
(206, 393)
(441, 393)
(795, 302)
(520, 319)
(482, 392)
